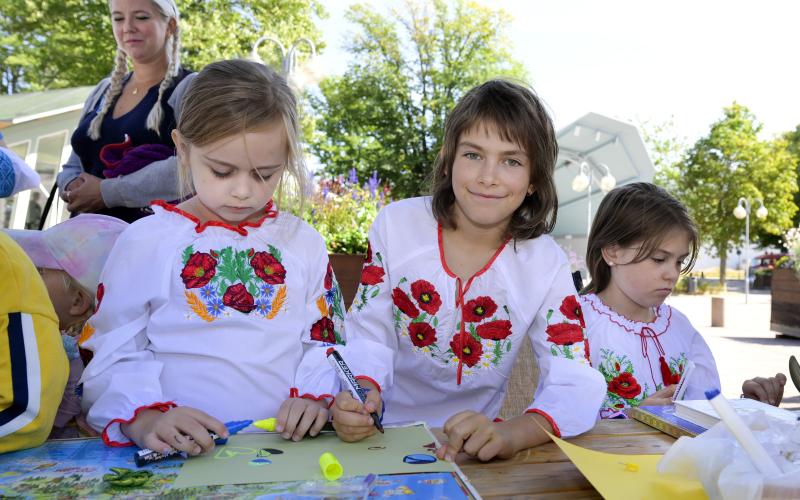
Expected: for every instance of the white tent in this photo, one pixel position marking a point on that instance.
(596, 145)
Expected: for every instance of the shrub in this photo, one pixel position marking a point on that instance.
(342, 211)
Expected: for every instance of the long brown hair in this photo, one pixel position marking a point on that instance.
(638, 213)
(516, 112)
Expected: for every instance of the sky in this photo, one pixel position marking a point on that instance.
(646, 60)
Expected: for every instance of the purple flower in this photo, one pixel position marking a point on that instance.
(373, 182)
(353, 177)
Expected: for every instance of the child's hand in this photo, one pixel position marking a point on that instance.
(351, 419)
(183, 428)
(477, 436)
(660, 398)
(766, 390)
(298, 416)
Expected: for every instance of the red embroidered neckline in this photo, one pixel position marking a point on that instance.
(269, 213)
(607, 311)
(480, 271)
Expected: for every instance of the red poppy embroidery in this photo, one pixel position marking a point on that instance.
(199, 270)
(237, 297)
(479, 308)
(494, 330)
(426, 295)
(421, 334)
(268, 268)
(564, 333)
(101, 290)
(471, 349)
(323, 330)
(571, 309)
(625, 385)
(372, 275)
(368, 259)
(403, 303)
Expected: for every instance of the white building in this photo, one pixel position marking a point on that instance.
(38, 127)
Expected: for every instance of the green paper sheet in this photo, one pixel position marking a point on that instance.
(244, 458)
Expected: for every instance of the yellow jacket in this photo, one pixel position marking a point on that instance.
(33, 364)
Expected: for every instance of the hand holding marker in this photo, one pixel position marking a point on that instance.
(147, 456)
(350, 382)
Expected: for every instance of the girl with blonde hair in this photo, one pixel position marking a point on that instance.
(220, 308)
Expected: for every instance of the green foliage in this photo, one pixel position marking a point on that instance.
(386, 113)
(46, 44)
(666, 149)
(793, 145)
(729, 163)
(342, 212)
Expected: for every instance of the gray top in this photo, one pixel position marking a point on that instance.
(158, 180)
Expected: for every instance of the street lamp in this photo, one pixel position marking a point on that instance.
(298, 77)
(583, 181)
(742, 211)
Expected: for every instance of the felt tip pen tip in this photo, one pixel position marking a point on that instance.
(712, 393)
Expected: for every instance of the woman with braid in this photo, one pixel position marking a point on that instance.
(122, 151)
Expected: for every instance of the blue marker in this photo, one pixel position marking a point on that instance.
(147, 456)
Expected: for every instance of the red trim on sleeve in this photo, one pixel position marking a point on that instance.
(294, 393)
(370, 379)
(162, 407)
(549, 419)
(319, 398)
(269, 213)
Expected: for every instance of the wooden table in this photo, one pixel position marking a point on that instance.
(545, 472)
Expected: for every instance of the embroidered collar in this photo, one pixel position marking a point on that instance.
(241, 228)
(658, 326)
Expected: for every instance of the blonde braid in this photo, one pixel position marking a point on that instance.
(173, 68)
(114, 89)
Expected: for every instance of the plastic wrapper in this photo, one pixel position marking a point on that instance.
(716, 460)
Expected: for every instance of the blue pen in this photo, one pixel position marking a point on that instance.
(147, 456)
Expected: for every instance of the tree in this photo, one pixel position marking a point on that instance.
(386, 113)
(729, 163)
(46, 44)
(666, 149)
(793, 140)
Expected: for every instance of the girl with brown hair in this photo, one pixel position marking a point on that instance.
(454, 282)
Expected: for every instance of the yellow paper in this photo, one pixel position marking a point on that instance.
(629, 477)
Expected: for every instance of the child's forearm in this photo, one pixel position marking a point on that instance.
(525, 431)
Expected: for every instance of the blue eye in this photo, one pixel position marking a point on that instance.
(471, 156)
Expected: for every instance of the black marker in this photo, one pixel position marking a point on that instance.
(147, 456)
(335, 359)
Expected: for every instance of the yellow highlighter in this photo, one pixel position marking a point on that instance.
(331, 468)
(269, 424)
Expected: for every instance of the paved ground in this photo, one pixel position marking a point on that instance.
(745, 347)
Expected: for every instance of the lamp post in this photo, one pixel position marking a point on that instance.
(742, 211)
(289, 64)
(583, 180)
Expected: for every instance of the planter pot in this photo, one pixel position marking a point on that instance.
(347, 269)
(785, 312)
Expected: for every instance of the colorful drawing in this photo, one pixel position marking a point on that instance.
(378, 454)
(76, 468)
